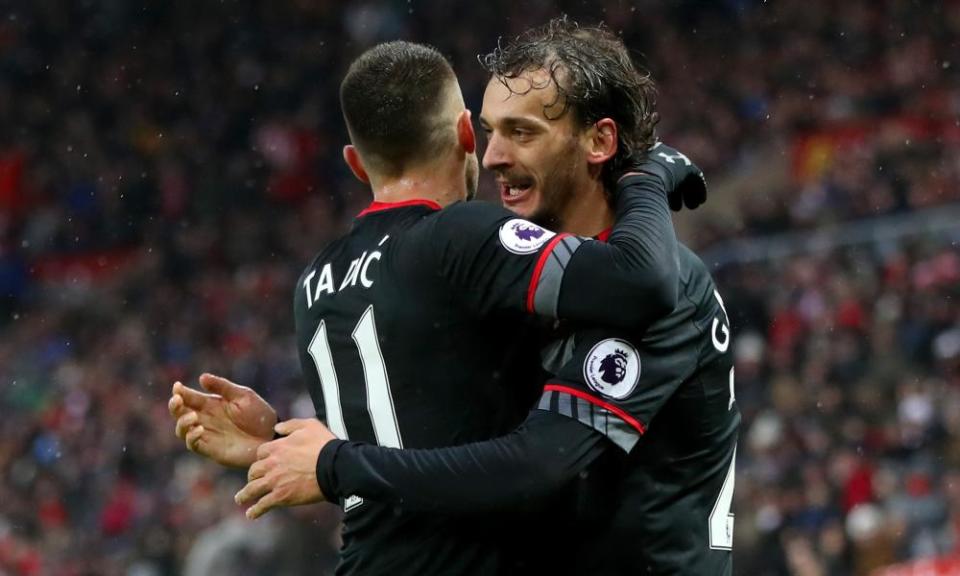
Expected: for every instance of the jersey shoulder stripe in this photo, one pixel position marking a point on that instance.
(610, 420)
(543, 294)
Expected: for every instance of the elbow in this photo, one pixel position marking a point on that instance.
(547, 466)
(545, 478)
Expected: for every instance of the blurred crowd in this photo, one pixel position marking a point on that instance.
(848, 376)
(166, 169)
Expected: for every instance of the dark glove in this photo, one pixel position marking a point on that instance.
(682, 180)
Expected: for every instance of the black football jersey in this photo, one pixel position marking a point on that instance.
(412, 333)
(665, 396)
(395, 351)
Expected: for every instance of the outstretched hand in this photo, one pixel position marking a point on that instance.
(226, 424)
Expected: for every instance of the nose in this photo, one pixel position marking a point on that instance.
(497, 155)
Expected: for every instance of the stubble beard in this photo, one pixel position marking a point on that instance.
(557, 194)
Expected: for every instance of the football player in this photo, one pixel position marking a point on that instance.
(409, 327)
(644, 418)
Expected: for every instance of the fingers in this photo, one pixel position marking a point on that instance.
(265, 450)
(191, 398)
(253, 491)
(175, 405)
(694, 187)
(288, 427)
(185, 422)
(257, 470)
(222, 386)
(264, 505)
(194, 436)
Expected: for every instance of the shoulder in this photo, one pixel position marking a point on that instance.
(471, 214)
(694, 274)
(699, 288)
(487, 224)
(327, 254)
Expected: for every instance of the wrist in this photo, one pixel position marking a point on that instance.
(326, 469)
(641, 182)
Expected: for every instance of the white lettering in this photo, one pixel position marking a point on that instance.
(325, 284)
(672, 157)
(367, 282)
(733, 397)
(351, 278)
(722, 307)
(359, 269)
(720, 345)
(717, 343)
(306, 286)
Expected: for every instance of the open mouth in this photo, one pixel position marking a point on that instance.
(513, 192)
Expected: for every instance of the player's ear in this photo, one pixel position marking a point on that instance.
(352, 158)
(601, 141)
(465, 133)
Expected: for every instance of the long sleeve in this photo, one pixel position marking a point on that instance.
(529, 463)
(633, 278)
(495, 261)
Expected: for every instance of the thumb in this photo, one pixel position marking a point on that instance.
(288, 427)
(221, 386)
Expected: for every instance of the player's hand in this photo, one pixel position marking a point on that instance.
(285, 473)
(227, 424)
(682, 179)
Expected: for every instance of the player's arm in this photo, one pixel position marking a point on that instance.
(497, 261)
(629, 281)
(533, 461)
(579, 416)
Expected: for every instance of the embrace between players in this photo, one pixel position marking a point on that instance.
(544, 387)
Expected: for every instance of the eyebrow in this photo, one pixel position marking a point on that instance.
(515, 121)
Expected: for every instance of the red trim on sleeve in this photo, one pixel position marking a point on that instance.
(604, 235)
(381, 206)
(538, 270)
(606, 405)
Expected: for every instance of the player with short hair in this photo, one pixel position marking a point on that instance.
(416, 297)
(644, 419)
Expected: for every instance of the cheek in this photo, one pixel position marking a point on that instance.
(557, 170)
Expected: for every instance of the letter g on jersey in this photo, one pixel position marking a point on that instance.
(523, 237)
(612, 368)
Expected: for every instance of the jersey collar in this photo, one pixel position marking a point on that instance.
(381, 206)
(604, 235)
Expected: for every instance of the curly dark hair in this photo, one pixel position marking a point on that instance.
(595, 78)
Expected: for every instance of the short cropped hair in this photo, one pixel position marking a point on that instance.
(595, 78)
(392, 98)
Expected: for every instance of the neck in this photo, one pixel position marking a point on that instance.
(443, 185)
(588, 214)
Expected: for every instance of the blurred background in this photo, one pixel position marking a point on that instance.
(168, 168)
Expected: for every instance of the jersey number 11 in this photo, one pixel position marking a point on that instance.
(379, 400)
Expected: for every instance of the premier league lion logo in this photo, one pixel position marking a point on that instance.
(612, 368)
(523, 237)
(527, 231)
